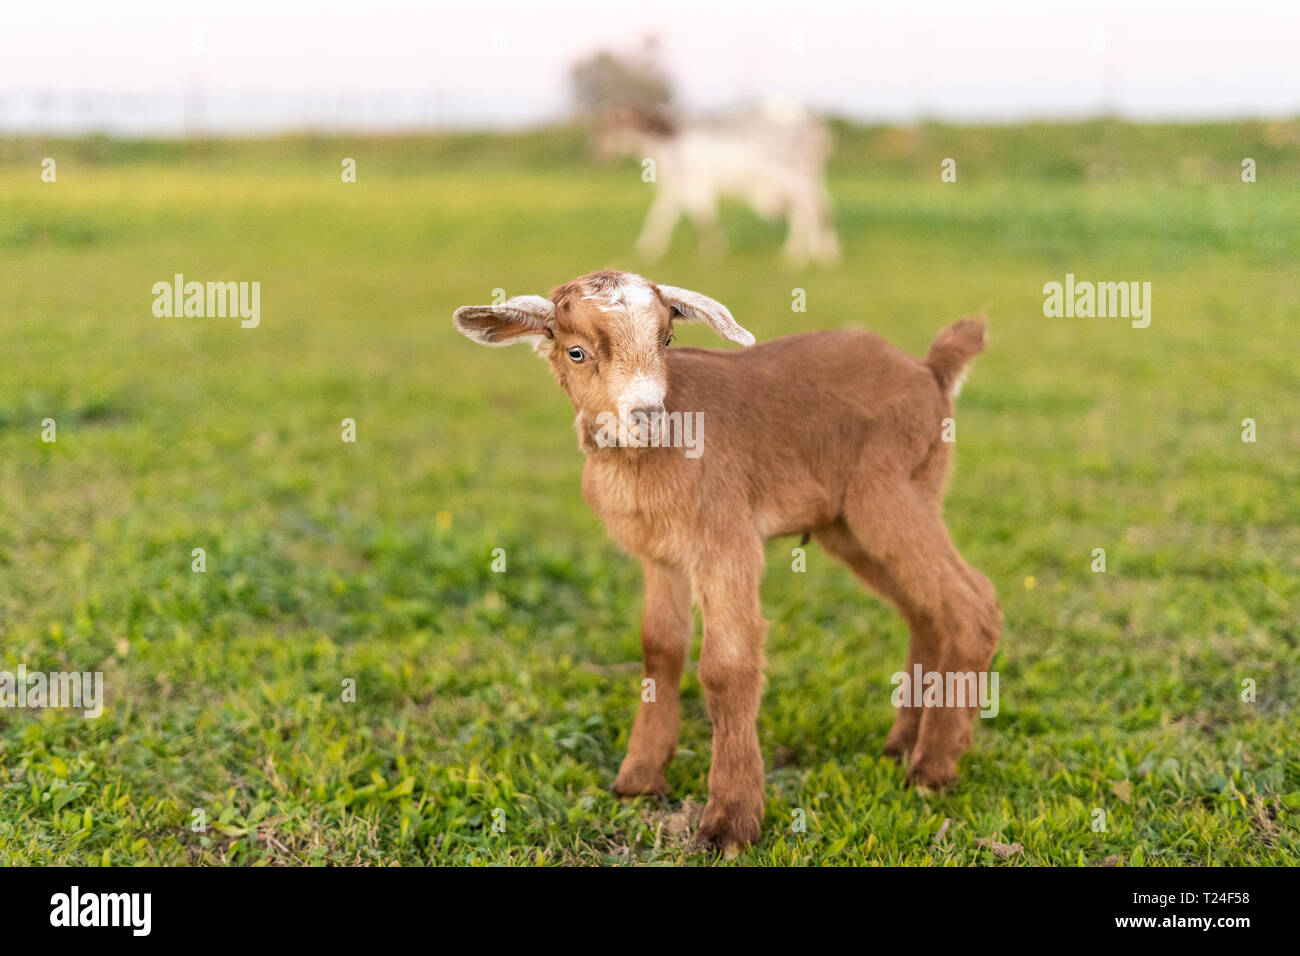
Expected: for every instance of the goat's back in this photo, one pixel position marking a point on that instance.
(812, 386)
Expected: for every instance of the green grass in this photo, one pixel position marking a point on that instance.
(512, 694)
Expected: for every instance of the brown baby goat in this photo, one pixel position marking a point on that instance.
(836, 434)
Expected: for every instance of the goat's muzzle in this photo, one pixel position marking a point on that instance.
(644, 424)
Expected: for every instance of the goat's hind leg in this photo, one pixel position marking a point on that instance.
(903, 530)
(924, 647)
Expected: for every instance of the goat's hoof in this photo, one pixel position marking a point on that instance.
(898, 751)
(899, 744)
(728, 831)
(930, 772)
(636, 782)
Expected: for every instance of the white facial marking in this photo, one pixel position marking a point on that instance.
(640, 391)
(632, 293)
(638, 295)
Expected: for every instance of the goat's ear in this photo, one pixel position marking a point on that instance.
(525, 318)
(693, 307)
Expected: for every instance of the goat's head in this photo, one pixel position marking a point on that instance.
(624, 131)
(604, 336)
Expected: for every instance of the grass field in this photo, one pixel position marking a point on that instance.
(507, 698)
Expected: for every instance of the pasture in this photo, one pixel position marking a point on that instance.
(492, 708)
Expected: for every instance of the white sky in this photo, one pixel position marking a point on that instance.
(267, 64)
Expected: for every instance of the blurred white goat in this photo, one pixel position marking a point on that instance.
(773, 159)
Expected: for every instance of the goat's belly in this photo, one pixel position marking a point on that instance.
(779, 524)
(795, 507)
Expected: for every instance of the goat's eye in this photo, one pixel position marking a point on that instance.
(669, 342)
(577, 354)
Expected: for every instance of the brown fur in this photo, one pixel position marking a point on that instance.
(650, 121)
(833, 433)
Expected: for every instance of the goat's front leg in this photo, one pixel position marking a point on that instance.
(713, 241)
(731, 670)
(658, 229)
(665, 636)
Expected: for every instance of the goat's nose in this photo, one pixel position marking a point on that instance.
(649, 413)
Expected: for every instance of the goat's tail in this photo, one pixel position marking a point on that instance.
(953, 348)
